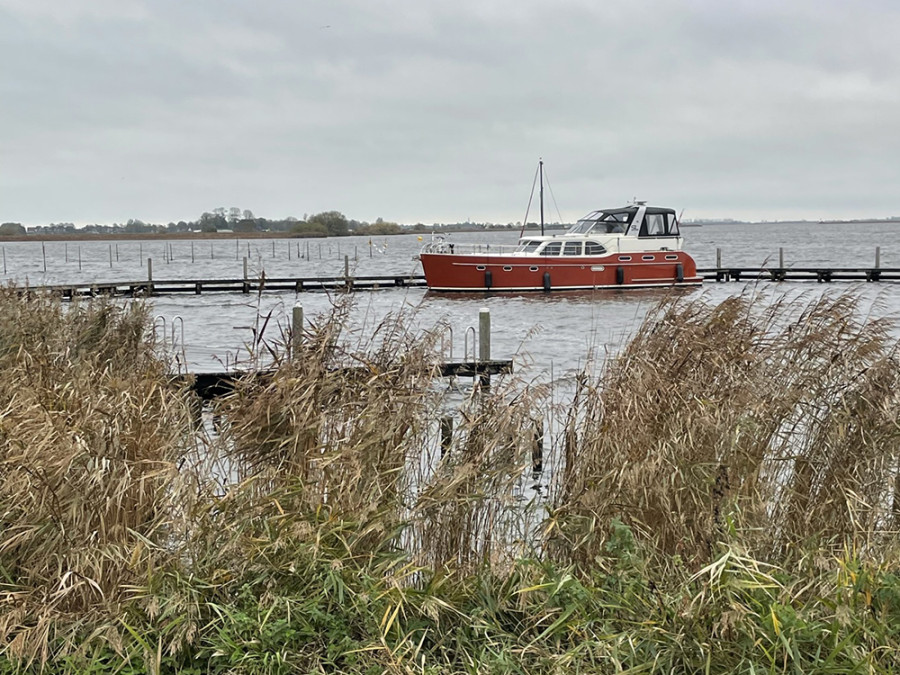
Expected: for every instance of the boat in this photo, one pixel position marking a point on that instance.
(633, 246)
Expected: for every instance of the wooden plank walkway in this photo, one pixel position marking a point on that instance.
(209, 386)
(373, 283)
(818, 274)
(200, 286)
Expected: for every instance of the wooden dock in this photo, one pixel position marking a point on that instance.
(374, 283)
(209, 386)
(200, 286)
(818, 274)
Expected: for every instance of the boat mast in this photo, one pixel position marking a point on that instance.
(541, 169)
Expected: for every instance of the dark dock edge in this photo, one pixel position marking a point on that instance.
(208, 386)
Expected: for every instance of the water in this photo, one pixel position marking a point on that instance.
(554, 332)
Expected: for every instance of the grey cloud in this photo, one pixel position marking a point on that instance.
(438, 112)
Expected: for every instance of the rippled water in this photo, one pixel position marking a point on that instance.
(557, 331)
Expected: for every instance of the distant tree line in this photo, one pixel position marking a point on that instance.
(242, 221)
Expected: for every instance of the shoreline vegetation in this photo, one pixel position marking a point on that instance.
(724, 498)
(234, 223)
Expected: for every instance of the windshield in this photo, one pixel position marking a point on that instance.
(603, 222)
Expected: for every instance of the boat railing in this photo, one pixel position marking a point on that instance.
(455, 248)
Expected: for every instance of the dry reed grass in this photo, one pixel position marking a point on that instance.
(89, 440)
(726, 498)
(774, 421)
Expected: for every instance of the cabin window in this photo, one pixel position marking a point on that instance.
(594, 248)
(553, 248)
(673, 224)
(572, 248)
(654, 225)
(528, 246)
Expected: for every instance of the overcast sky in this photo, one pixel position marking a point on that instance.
(423, 111)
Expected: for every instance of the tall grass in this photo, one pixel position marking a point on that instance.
(775, 422)
(724, 501)
(90, 435)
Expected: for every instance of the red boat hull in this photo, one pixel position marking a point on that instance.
(456, 272)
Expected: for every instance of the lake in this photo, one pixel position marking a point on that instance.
(554, 332)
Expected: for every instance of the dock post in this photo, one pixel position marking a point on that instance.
(296, 330)
(246, 286)
(877, 257)
(537, 448)
(780, 258)
(446, 435)
(192, 251)
(44, 255)
(347, 271)
(484, 341)
(149, 275)
(110, 256)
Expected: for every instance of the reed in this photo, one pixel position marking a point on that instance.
(89, 440)
(724, 501)
(769, 423)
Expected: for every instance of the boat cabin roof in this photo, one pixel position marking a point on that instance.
(635, 220)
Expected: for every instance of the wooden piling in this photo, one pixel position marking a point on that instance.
(446, 435)
(484, 341)
(537, 447)
(296, 330)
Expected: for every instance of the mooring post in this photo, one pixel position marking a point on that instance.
(718, 258)
(780, 258)
(877, 257)
(192, 252)
(110, 256)
(296, 330)
(446, 435)
(537, 447)
(44, 255)
(246, 286)
(347, 270)
(149, 275)
(484, 341)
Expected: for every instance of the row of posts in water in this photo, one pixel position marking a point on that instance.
(291, 248)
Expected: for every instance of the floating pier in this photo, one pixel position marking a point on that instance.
(209, 386)
(348, 282)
